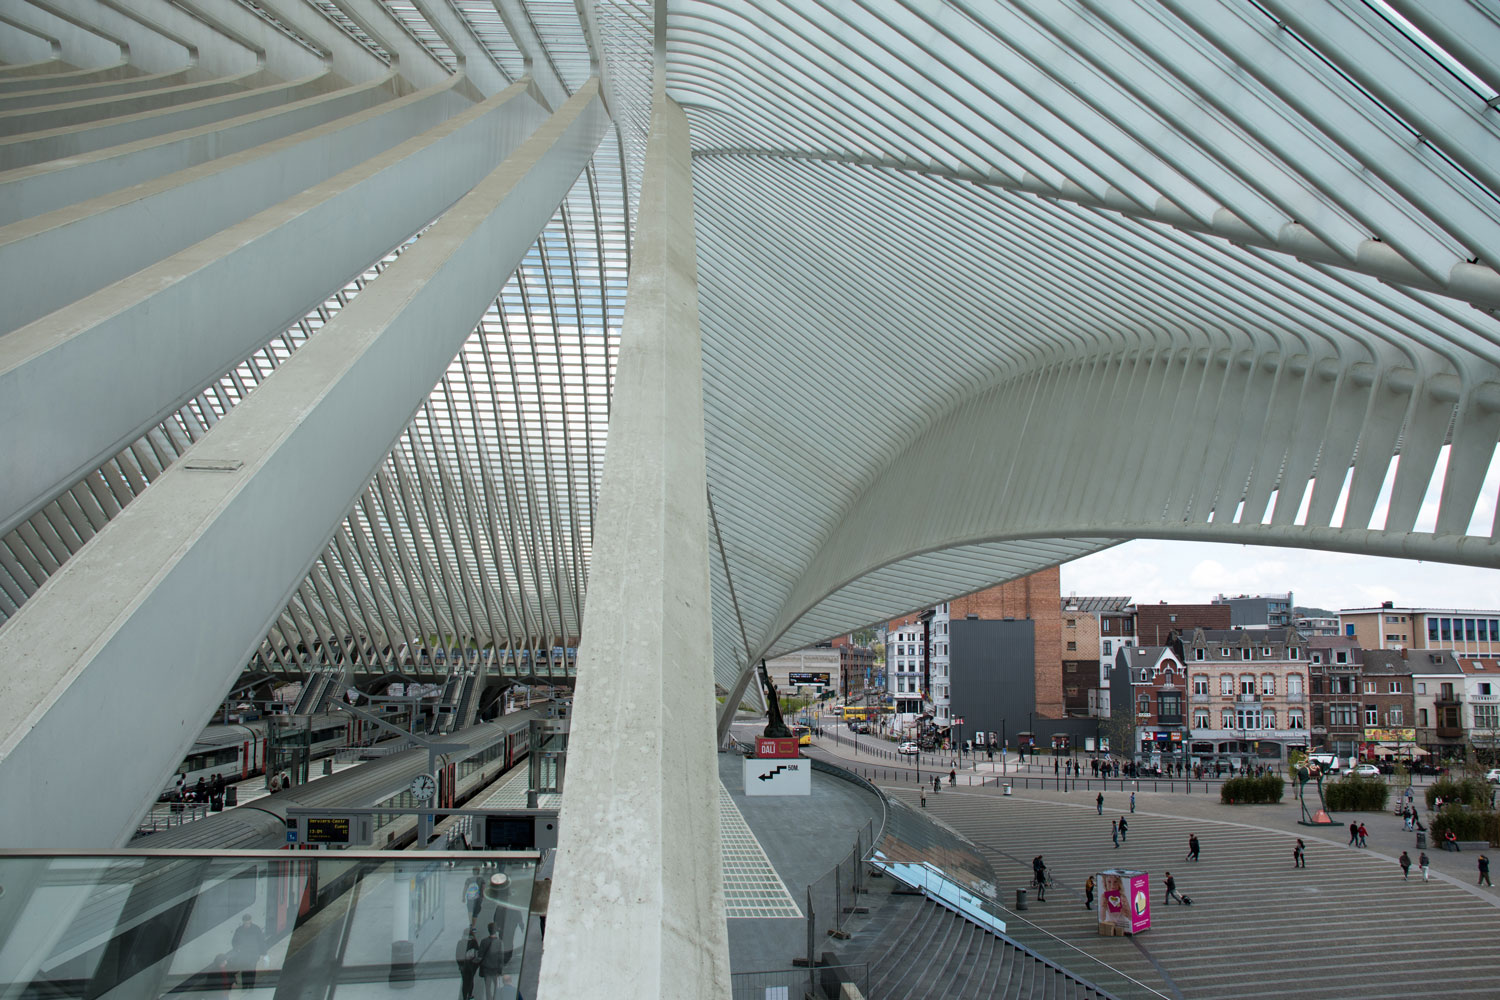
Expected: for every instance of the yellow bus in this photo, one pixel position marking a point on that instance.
(803, 734)
(861, 713)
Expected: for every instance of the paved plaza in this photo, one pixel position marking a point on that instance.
(1346, 926)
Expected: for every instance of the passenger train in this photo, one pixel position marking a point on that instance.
(238, 751)
(487, 751)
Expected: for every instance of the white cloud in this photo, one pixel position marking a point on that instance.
(1196, 572)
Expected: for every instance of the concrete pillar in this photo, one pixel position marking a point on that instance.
(637, 900)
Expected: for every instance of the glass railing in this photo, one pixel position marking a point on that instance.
(146, 924)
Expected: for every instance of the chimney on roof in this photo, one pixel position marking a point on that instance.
(1387, 604)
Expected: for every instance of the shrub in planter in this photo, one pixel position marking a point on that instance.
(1466, 824)
(1353, 793)
(1469, 791)
(1253, 791)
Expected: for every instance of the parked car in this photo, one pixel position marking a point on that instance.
(1493, 776)
(909, 748)
(1367, 770)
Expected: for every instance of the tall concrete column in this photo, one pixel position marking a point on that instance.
(638, 900)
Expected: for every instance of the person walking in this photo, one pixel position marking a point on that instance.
(1171, 891)
(1192, 854)
(467, 957)
(1484, 872)
(1423, 862)
(1099, 803)
(952, 777)
(1132, 801)
(246, 948)
(1363, 833)
(937, 784)
(1114, 832)
(1123, 828)
(1405, 862)
(492, 959)
(1299, 854)
(1088, 894)
(1039, 878)
(1353, 834)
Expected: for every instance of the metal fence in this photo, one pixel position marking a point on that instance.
(834, 898)
(821, 983)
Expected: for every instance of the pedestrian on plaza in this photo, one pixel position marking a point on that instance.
(1056, 767)
(952, 777)
(1299, 854)
(937, 784)
(467, 957)
(1088, 894)
(1114, 832)
(1363, 833)
(1353, 834)
(1171, 891)
(1039, 878)
(1405, 862)
(1099, 803)
(1123, 828)
(1132, 801)
(1423, 862)
(1192, 854)
(1484, 872)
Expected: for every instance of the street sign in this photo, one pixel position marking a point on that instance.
(291, 836)
(958, 721)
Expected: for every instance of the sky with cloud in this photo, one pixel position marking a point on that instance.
(1196, 572)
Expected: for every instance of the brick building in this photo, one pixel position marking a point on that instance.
(1249, 691)
(1039, 598)
(1335, 665)
(856, 668)
(1155, 623)
(1150, 683)
(1109, 622)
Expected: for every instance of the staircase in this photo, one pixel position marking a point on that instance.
(917, 949)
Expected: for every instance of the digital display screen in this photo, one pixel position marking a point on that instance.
(510, 833)
(328, 829)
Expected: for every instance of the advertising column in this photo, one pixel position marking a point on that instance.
(1124, 905)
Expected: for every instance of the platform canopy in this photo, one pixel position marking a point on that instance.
(984, 287)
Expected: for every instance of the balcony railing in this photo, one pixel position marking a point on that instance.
(1247, 699)
(1295, 699)
(1201, 699)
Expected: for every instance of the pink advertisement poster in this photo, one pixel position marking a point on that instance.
(1125, 899)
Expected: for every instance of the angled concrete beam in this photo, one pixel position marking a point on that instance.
(39, 147)
(181, 323)
(212, 551)
(117, 234)
(637, 899)
(31, 191)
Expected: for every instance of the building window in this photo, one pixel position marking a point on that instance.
(1487, 716)
(1484, 687)
(1143, 705)
(1247, 683)
(1372, 715)
(1421, 687)
(1200, 684)
(1395, 687)
(1109, 647)
(1198, 653)
(1245, 653)
(1200, 718)
(1293, 683)
(1267, 683)
(1291, 653)
(1226, 719)
(1341, 656)
(1369, 687)
(1422, 717)
(1226, 684)
(1294, 719)
(1393, 716)
(1265, 651)
(1447, 627)
(1072, 623)
(1468, 630)
(1317, 657)
(1269, 717)
(1172, 619)
(1073, 647)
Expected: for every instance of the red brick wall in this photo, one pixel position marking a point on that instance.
(1154, 621)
